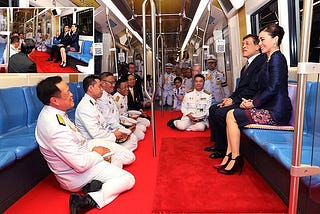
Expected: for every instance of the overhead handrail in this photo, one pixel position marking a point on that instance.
(304, 68)
(114, 43)
(152, 97)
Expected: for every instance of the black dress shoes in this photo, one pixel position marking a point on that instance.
(49, 59)
(210, 149)
(93, 186)
(217, 154)
(81, 204)
(56, 61)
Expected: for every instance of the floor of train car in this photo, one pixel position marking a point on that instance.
(47, 197)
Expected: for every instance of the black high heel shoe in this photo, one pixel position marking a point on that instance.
(237, 166)
(218, 166)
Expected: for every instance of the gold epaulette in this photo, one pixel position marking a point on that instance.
(190, 90)
(60, 120)
(182, 86)
(207, 92)
(220, 71)
(224, 84)
(117, 98)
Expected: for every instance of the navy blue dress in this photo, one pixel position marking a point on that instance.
(272, 93)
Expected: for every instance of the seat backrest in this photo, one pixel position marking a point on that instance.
(34, 105)
(292, 93)
(86, 45)
(15, 108)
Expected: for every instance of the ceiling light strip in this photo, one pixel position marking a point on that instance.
(121, 17)
(202, 6)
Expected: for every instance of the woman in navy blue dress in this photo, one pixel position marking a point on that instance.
(73, 45)
(270, 106)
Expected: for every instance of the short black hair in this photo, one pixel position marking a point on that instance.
(89, 80)
(27, 46)
(199, 75)
(47, 88)
(254, 37)
(105, 74)
(121, 80)
(14, 39)
(177, 78)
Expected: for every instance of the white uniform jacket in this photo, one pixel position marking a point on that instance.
(90, 122)
(65, 150)
(196, 101)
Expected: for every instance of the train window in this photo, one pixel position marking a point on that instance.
(66, 20)
(314, 51)
(267, 14)
(85, 21)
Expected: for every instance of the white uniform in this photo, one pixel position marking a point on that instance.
(178, 94)
(111, 114)
(122, 105)
(92, 124)
(194, 102)
(188, 83)
(166, 80)
(73, 163)
(216, 84)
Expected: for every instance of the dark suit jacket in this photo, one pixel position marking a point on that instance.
(136, 103)
(247, 88)
(20, 63)
(64, 39)
(273, 89)
(74, 41)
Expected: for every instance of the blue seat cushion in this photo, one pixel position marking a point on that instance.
(6, 158)
(20, 146)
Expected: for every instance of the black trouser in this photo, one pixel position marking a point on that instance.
(217, 122)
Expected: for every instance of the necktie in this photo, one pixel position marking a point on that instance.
(246, 67)
(131, 91)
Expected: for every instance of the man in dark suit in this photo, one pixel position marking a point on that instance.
(246, 89)
(64, 39)
(20, 62)
(135, 98)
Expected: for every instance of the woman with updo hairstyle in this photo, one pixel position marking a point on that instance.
(270, 106)
(20, 62)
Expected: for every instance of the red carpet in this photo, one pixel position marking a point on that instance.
(48, 67)
(187, 183)
(48, 198)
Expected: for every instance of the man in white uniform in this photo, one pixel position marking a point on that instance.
(195, 107)
(110, 110)
(166, 85)
(91, 122)
(121, 100)
(68, 155)
(215, 81)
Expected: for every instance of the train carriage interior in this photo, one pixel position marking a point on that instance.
(281, 163)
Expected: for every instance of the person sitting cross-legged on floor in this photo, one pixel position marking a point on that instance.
(195, 107)
(90, 121)
(75, 166)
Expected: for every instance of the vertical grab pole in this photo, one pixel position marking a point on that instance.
(298, 127)
(114, 43)
(161, 67)
(204, 35)
(152, 98)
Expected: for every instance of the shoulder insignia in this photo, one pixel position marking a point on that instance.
(224, 84)
(220, 71)
(91, 102)
(190, 90)
(117, 98)
(207, 92)
(60, 120)
(183, 86)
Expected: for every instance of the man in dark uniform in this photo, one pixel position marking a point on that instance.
(64, 39)
(247, 88)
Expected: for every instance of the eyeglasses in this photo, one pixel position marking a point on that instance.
(111, 82)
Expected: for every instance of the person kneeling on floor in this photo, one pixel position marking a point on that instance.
(195, 107)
